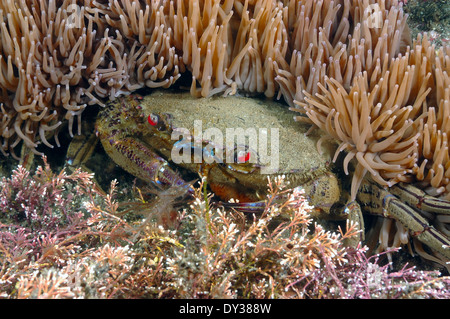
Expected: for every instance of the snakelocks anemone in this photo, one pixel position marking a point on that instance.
(57, 57)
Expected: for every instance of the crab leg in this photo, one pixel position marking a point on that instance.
(383, 203)
(353, 212)
(138, 160)
(420, 199)
(246, 208)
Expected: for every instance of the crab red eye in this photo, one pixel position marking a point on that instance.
(152, 119)
(243, 157)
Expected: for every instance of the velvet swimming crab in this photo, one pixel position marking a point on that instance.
(147, 136)
(228, 140)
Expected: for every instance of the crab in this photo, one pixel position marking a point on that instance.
(148, 135)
